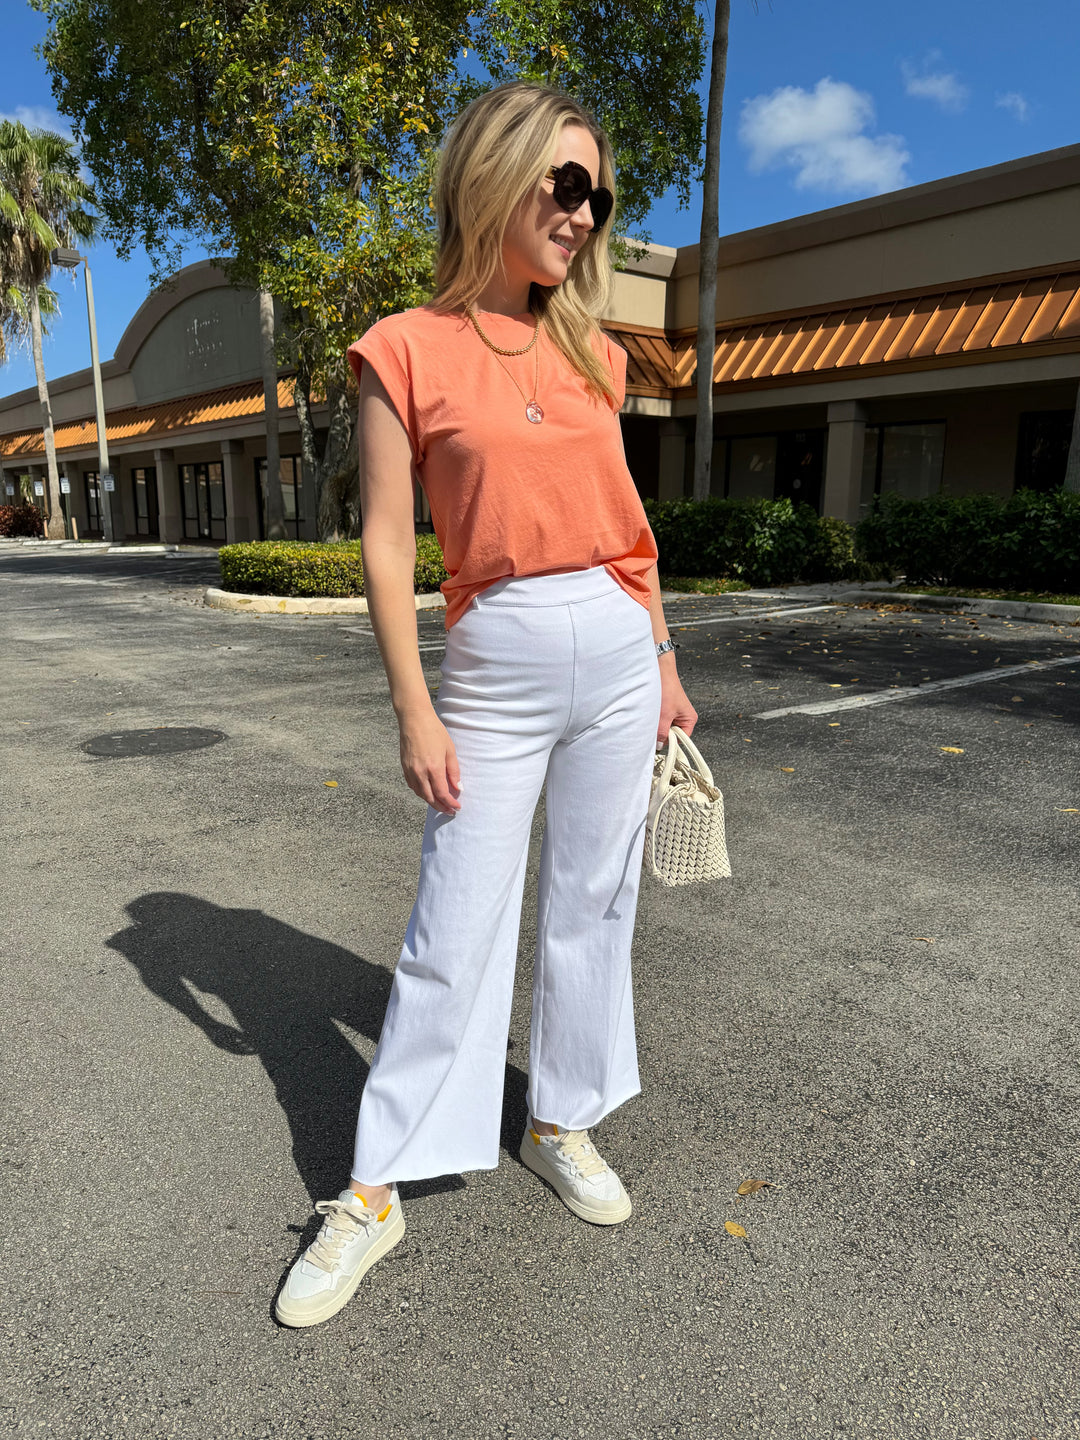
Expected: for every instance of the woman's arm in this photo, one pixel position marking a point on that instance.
(675, 707)
(388, 544)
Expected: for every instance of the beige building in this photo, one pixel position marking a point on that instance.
(921, 341)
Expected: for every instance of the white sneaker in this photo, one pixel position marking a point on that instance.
(578, 1173)
(352, 1238)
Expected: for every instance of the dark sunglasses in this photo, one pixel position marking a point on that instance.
(573, 186)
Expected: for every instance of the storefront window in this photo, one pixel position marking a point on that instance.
(906, 460)
(752, 467)
(1042, 449)
(291, 494)
(203, 489)
(92, 485)
(144, 485)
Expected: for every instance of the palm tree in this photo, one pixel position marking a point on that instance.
(43, 206)
(708, 253)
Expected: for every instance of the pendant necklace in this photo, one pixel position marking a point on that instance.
(533, 411)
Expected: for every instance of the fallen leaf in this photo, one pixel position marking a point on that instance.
(1017, 699)
(1070, 811)
(834, 724)
(733, 1229)
(751, 1187)
(787, 769)
(836, 687)
(950, 749)
(926, 939)
(332, 784)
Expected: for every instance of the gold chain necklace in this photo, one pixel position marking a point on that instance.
(533, 410)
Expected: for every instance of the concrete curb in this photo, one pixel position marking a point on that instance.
(298, 605)
(884, 595)
(965, 605)
(87, 547)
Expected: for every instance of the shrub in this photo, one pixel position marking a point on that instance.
(1030, 541)
(764, 542)
(20, 520)
(298, 567)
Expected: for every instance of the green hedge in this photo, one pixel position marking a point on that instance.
(296, 567)
(764, 542)
(1029, 542)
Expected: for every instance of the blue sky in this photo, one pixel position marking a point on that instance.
(827, 101)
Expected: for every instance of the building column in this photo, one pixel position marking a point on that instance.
(671, 481)
(241, 522)
(844, 461)
(169, 500)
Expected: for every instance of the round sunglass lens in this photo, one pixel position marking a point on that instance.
(573, 188)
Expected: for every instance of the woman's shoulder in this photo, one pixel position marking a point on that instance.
(419, 321)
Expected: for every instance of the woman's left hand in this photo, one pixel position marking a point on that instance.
(675, 707)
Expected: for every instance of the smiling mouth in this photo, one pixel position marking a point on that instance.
(563, 244)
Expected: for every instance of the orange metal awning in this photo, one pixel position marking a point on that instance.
(150, 422)
(956, 326)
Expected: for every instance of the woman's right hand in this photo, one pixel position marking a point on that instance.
(429, 761)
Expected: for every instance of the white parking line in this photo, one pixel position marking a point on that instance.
(676, 624)
(370, 635)
(909, 692)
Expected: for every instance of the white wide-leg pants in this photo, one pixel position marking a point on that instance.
(547, 679)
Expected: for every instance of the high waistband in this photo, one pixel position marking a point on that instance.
(565, 589)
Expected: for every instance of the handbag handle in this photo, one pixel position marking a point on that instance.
(686, 744)
(678, 740)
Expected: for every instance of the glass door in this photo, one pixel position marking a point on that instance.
(92, 485)
(144, 485)
(203, 488)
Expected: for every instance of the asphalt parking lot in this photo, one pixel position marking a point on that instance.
(878, 1015)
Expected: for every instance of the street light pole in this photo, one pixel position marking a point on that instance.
(70, 260)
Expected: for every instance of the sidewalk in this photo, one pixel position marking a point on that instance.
(837, 593)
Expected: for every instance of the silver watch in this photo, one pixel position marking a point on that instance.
(664, 646)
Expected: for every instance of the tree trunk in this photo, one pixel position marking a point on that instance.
(336, 472)
(55, 526)
(707, 255)
(274, 508)
(1072, 465)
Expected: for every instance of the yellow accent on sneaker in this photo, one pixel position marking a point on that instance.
(361, 1198)
(536, 1137)
(383, 1214)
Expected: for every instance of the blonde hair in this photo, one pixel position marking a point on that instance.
(496, 154)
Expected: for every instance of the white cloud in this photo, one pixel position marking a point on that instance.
(1013, 101)
(38, 117)
(941, 86)
(820, 135)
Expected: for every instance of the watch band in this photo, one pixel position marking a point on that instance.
(664, 646)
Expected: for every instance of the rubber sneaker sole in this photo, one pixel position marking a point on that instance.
(532, 1157)
(297, 1317)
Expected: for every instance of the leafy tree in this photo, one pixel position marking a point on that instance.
(43, 205)
(297, 138)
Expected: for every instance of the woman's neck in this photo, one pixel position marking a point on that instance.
(500, 298)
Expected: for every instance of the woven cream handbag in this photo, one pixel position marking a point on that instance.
(684, 835)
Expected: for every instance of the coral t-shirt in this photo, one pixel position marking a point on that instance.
(509, 497)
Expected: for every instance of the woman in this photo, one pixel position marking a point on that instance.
(501, 398)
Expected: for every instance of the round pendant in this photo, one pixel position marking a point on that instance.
(533, 412)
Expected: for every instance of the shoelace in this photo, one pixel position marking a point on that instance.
(341, 1225)
(577, 1147)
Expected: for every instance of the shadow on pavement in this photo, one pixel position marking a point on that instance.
(288, 993)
